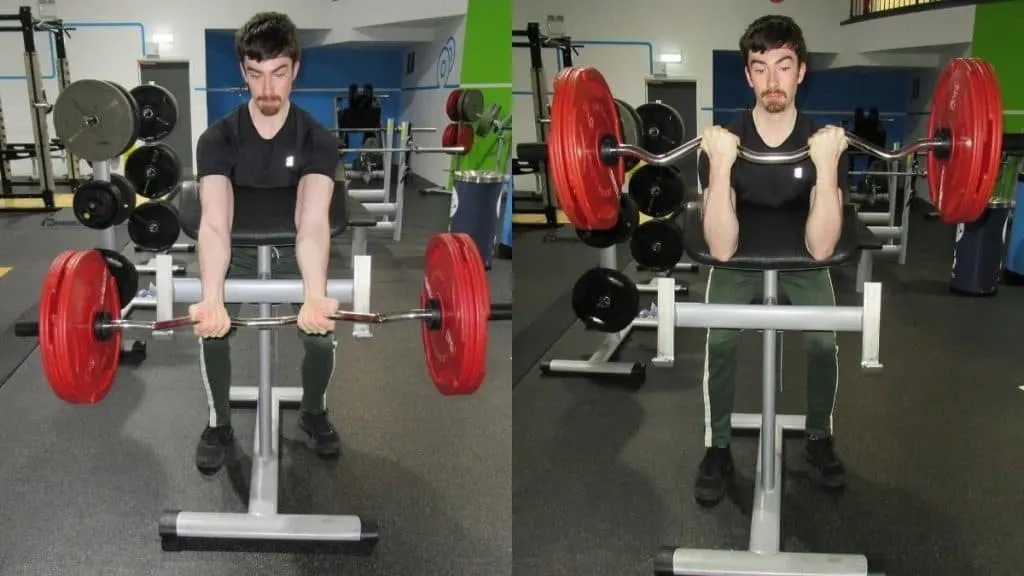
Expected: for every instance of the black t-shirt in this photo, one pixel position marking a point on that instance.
(773, 184)
(232, 147)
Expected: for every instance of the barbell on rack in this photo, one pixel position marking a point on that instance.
(964, 148)
(80, 324)
(363, 130)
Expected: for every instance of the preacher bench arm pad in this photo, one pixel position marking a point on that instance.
(774, 239)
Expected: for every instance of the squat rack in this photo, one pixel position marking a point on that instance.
(536, 42)
(40, 108)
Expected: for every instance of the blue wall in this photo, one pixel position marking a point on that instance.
(327, 69)
(887, 89)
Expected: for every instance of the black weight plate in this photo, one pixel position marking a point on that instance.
(629, 219)
(95, 204)
(657, 190)
(158, 111)
(631, 129)
(154, 169)
(94, 120)
(124, 272)
(605, 300)
(598, 238)
(471, 104)
(154, 226)
(657, 245)
(663, 127)
(127, 196)
(135, 114)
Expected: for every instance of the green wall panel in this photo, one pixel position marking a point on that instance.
(487, 66)
(998, 39)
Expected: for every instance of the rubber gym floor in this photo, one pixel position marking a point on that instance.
(83, 486)
(604, 469)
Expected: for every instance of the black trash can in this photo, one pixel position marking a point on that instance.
(476, 208)
(979, 251)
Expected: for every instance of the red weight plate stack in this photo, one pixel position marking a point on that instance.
(479, 302)
(465, 138)
(450, 136)
(87, 364)
(558, 162)
(451, 106)
(585, 116)
(48, 309)
(990, 137)
(955, 110)
(449, 350)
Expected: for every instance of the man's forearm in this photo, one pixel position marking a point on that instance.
(313, 252)
(825, 219)
(214, 250)
(721, 230)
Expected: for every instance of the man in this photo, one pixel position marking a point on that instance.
(266, 142)
(775, 53)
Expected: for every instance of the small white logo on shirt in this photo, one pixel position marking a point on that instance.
(289, 162)
(798, 172)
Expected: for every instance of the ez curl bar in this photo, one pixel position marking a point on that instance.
(80, 323)
(586, 155)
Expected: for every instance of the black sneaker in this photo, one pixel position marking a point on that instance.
(715, 469)
(821, 455)
(216, 446)
(319, 428)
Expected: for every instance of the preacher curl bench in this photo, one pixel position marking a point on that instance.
(265, 218)
(771, 241)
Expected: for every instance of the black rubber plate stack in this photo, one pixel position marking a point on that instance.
(657, 245)
(96, 120)
(158, 111)
(154, 170)
(96, 204)
(154, 226)
(663, 127)
(657, 190)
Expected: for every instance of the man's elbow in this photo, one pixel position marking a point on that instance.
(821, 251)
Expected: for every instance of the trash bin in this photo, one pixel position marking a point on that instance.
(505, 245)
(981, 245)
(475, 208)
(1014, 267)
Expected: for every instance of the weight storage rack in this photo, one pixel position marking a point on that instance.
(42, 147)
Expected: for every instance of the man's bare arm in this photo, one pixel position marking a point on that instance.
(313, 226)
(721, 229)
(213, 246)
(825, 218)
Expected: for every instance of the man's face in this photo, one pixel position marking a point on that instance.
(774, 76)
(270, 82)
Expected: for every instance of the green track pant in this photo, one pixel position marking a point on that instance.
(215, 353)
(802, 288)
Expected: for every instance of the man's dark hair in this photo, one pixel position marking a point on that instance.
(268, 35)
(771, 32)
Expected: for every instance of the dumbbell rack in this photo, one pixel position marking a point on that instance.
(883, 224)
(599, 362)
